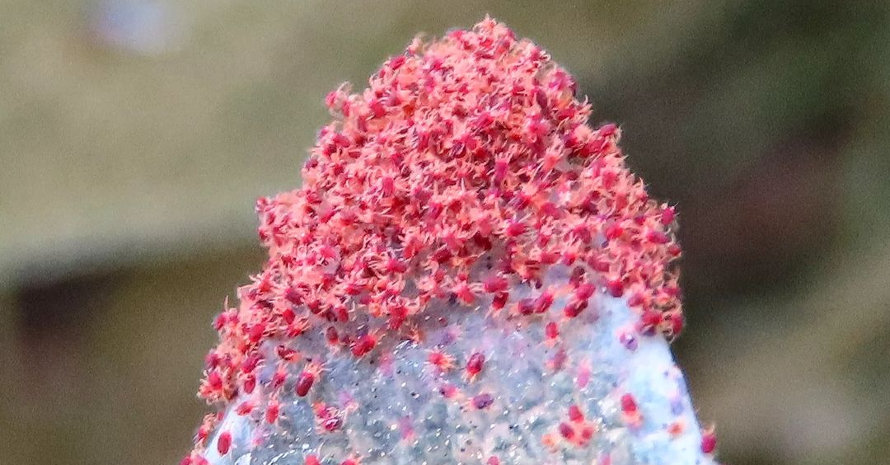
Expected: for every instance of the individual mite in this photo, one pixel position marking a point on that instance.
(475, 365)
(307, 378)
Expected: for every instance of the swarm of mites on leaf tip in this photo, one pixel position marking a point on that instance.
(468, 148)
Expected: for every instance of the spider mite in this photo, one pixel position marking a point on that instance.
(474, 365)
(575, 414)
(615, 287)
(495, 284)
(442, 361)
(629, 410)
(584, 291)
(286, 353)
(249, 383)
(272, 411)
(207, 426)
(224, 443)
(250, 363)
(574, 308)
(566, 431)
(587, 432)
(549, 441)
(448, 391)
(328, 418)
(364, 344)
(551, 331)
(307, 378)
(332, 336)
(279, 377)
(676, 428)
(214, 381)
(245, 408)
(708, 440)
(464, 292)
(482, 401)
(544, 301)
(255, 332)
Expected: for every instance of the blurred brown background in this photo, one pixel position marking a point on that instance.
(136, 134)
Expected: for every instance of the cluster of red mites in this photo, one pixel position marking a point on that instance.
(467, 148)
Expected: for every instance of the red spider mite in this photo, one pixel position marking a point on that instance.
(207, 426)
(575, 414)
(279, 377)
(500, 300)
(657, 237)
(551, 331)
(525, 307)
(613, 231)
(464, 292)
(255, 332)
(628, 404)
(587, 432)
(327, 417)
(249, 383)
(515, 228)
(332, 336)
(442, 361)
(250, 363)
(286, 353)
(212, 360)
(668, 215)
(214, 380)
(708, 441)
(364, 344)
(272, 412)
(475, 364)
(219, 322)
(544, 301)
(224, 443)
(332, 424)
(584, 291)
(629, 410)
(566, 431)
(676, 428)
(482, 401)
(549, 441)
(245, 408)
(615, 287)
(574, 308)
(448, 391)
(501, 166)
(307, 378)
(495, 284)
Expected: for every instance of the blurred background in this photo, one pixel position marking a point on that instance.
(135, 136)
